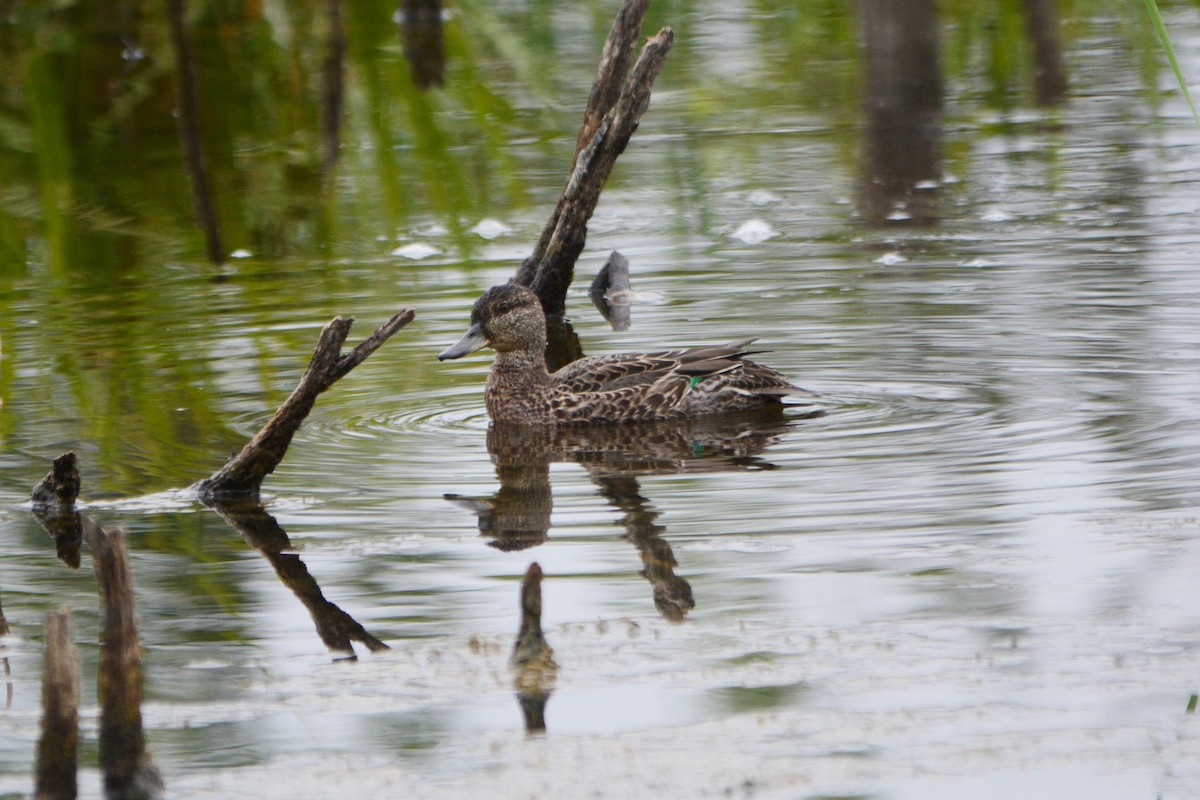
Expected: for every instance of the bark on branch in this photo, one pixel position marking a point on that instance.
(54, 508)
(58, 746)
(128, 770)
(614, 110)
(243, 474)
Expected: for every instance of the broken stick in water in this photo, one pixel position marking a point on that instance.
(244, 472)
(54, 508)
(57, 751)
(615, 107)
(127, 768)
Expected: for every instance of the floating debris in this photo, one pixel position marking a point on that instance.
(489, 228)
(415, 251)
(998, 215)
(754, 231)
(762, 197)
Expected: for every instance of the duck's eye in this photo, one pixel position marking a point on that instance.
(504, 308)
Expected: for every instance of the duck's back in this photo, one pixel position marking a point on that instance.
(674, 384)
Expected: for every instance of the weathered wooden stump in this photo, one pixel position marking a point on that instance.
(54, 508)
(57, 750)
(128, 771)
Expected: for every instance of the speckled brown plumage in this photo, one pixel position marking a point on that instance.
(674, 384)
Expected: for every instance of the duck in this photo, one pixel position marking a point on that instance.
(622, 387)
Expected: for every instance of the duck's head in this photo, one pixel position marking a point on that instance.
(507, 317)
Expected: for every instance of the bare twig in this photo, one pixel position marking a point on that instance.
(614, 64)
(243, 474)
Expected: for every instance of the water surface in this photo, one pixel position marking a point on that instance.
(971, 574)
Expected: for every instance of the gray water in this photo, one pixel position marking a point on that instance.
(970, 574)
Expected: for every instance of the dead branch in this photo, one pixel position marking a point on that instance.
(606, 89)
(614, 65)
(243, 474)
(615, 108)
(57, 750)
(61, 484)
(128, 770)
(54, 508)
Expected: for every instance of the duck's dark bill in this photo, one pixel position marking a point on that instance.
(471, 341)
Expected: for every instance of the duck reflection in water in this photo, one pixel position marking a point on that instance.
(693, 409)
(518, 515)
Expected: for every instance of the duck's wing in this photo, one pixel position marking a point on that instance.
(653, 385)
(724, 370)
(606, 373)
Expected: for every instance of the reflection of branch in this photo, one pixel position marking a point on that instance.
(243, 474)
(128, 771)
(672, 594)
(1050, 77)
(261, 531)
(615, 108)
(533, 658)
(189, 130)
(332, 89)
(903, 102)
(57, 750)
(518, 515)
(424, 45)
